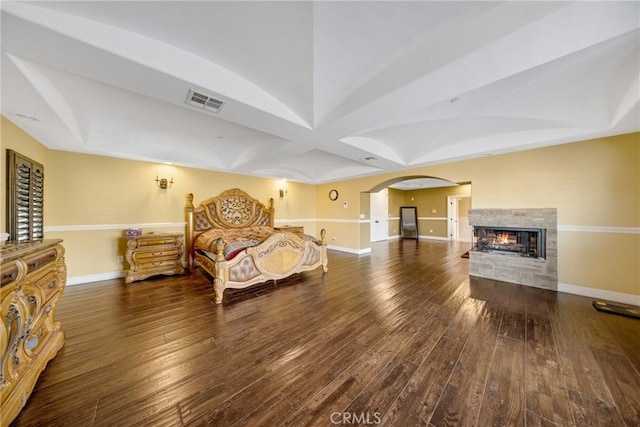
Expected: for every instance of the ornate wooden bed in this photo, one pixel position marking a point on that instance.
(232, 237)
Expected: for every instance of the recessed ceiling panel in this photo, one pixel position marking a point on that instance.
(311, 89)
(260, 41)
(318, 165)
(115, 119)
(420, 183)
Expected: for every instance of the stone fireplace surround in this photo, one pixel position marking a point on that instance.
(538, 273)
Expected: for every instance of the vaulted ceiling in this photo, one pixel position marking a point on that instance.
(317, 91)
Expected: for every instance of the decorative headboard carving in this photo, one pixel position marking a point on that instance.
(231, 209)
(236, 209)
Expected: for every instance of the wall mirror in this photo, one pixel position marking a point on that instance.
(409, 222)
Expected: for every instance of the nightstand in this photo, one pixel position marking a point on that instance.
(154, 253)
(295, 229)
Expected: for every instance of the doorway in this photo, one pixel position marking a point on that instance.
(379, 215)
(458, 228)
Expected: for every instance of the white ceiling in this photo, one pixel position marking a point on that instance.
(319, 91)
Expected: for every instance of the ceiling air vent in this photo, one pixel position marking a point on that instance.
(206, 102)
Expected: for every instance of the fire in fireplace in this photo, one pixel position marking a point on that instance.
(526, 242)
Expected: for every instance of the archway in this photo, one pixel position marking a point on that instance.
(426, 181)
(433, 198)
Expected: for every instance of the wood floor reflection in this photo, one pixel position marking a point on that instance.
(399, 337)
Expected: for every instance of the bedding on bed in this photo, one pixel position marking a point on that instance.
(237, 239)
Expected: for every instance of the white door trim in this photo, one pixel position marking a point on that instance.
(453, 217)
(379, 213)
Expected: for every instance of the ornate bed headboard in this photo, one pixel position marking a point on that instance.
(231, 209)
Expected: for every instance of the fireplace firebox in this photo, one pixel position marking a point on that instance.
(518, 241)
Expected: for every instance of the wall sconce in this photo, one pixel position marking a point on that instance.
(163, 183)
(283, 190)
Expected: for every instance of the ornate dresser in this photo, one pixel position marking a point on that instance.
(32, 280)
(154, 253)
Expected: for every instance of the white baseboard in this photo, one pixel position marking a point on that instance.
(422, 236)
(349, 250)
(600, 294)
(81, 280)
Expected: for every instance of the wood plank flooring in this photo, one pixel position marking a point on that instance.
(400, 337)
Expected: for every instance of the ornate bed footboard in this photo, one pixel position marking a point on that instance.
(280, 255)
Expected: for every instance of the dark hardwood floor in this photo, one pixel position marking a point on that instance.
(401, 337)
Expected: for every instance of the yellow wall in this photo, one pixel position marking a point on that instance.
(595, 185)
(90, 199)
(340, 221)
(432, 207)
(396, 200)
(123, 192)
(430, 224)
(595, 182)
(13, 138)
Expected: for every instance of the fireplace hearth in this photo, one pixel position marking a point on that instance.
(519, 241)
(515, 245)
